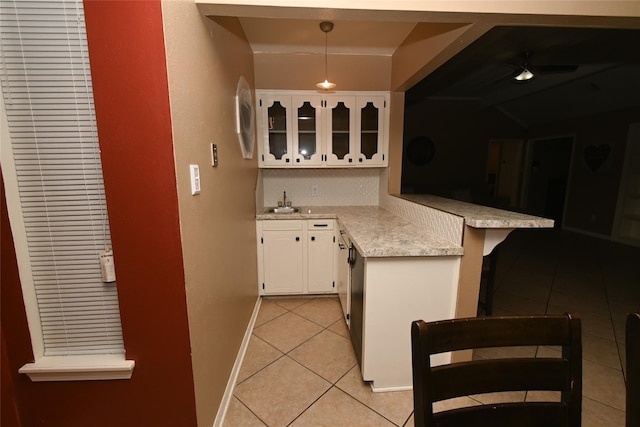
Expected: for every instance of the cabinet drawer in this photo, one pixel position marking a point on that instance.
(282, 224)
(320, 224)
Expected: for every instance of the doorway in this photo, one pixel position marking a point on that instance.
(626, 226)
(548, 177)
(504, 171)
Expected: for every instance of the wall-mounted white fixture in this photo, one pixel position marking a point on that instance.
(245, 118)
(326, 28)
(194, 171)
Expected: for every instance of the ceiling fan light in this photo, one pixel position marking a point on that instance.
(524, 75)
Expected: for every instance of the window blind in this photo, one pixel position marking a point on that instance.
(46, 85)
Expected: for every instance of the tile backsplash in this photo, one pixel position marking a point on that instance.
(445, 225)
(335, 187)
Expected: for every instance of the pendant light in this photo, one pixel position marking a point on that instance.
(326, 27)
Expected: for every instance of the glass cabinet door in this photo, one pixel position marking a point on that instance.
(340, 114)
(306, 134)
(370, 129)
(309, 129)
(276, 130)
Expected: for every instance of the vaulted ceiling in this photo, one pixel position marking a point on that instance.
(578, 71)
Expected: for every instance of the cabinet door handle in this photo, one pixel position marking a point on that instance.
(313, 238)
(297, 239)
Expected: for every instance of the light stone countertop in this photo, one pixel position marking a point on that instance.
(377, 232)
(478, 216)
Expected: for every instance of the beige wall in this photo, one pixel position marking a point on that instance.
(205, 60)
(396, 132)
(302, 71)
(460, 131)
(427, 47)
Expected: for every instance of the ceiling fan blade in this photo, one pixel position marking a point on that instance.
(551, 69)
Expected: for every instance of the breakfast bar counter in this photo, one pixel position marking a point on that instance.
(479, 216)
(418, 257)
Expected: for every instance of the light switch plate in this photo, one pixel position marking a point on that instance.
(194, 171)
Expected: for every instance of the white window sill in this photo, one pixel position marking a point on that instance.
(79, 368)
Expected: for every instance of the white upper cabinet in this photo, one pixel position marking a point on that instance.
(275, 138)
(307, 129)
(307, 132)
(340, 117)
(370, 130)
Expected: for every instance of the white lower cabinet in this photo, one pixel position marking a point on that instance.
(320, 256)
(296, 256)
(281, 247)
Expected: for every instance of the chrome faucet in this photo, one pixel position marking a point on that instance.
(284, 200)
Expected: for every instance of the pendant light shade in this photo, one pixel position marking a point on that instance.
(326, 28)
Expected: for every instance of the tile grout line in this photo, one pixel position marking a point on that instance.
(333, 384)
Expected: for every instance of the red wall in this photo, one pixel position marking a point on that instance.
(15, 341)
(126, 47)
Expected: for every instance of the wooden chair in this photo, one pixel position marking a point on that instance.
(436, 383)
(633, 369)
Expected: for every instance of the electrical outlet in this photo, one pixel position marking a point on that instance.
(315, 190)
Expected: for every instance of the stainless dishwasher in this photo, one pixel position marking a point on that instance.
(344, 270)
(357, 300)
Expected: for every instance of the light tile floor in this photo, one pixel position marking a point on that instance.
(300, 369)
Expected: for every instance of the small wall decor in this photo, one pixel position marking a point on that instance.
(597, 157)
(245, 118)
(420, 150)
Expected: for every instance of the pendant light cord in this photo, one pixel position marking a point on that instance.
(326, 52)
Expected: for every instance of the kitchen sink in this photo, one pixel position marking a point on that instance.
(282, 209)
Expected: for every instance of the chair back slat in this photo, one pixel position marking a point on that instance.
(436, 383)
(487, 376)
(452, 335)
(516, 414)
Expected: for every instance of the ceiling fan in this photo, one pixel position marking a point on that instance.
(526, 70)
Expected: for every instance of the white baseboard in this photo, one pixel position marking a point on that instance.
(228, 393)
